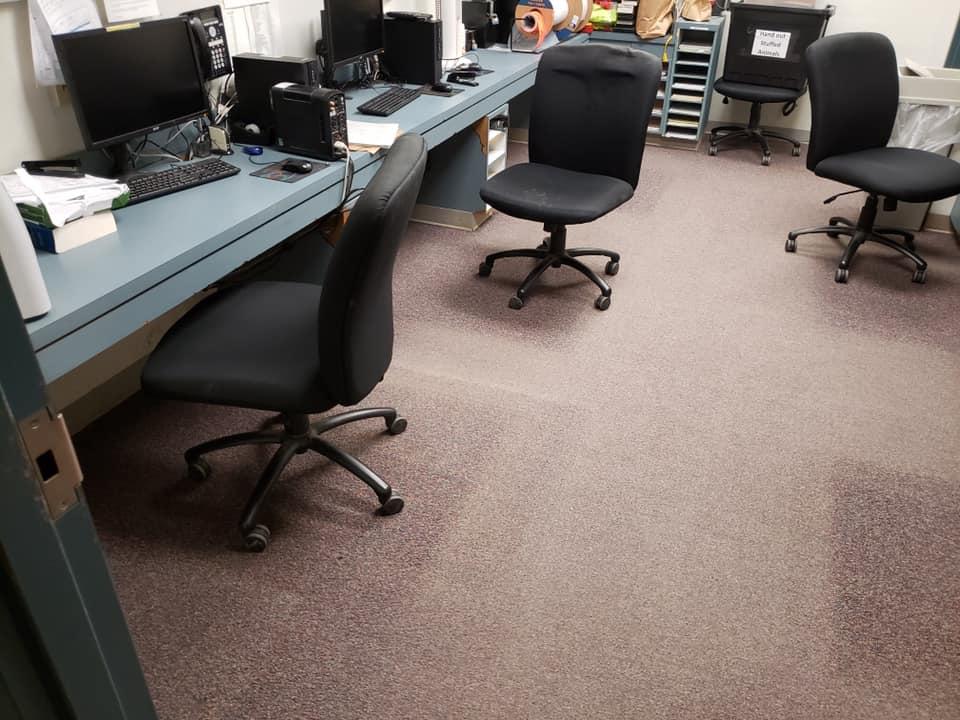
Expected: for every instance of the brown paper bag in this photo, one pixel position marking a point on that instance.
(698, 10)
(654, 18)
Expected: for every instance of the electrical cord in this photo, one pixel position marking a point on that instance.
(348, 170)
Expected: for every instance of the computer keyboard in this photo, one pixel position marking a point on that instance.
(180, 177)
(390, 101)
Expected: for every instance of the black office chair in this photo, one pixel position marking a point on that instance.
(591, 105)
(854, 91)
(757, 96)
(298, 348)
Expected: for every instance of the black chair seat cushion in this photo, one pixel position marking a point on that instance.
(755, 93)
(255, 346)
(901, 173)
(549, 194)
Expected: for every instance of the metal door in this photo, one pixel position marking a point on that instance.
(65, 649)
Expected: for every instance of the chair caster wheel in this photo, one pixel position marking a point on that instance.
(398, 425)
(256, 540)
(602, 302)
(796, 152)
(841, 276)
(392, 505)
(791, 246)
(713, 150)
(612, 268)
(516, 302)
(198, 470)
(765, 160)
(920, 276)
(485, 270)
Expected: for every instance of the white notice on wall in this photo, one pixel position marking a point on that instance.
(251, 26)
(126, 10)
(53, 17)
(771, 44)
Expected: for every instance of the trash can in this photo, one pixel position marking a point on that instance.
(928, 119)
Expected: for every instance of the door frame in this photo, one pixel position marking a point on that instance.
(56, 589)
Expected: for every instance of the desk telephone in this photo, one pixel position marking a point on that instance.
(211, 38)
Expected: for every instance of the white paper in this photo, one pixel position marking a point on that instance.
(251, 26)
(54, 17)
(66, 199)
(125, 10)
(771, 43)
(370, 133)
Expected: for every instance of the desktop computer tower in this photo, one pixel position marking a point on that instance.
(413, 49)
(252, 120)
(310, 120)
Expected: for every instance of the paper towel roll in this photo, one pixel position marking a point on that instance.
(20, 261)
(453, 33)
(560, 11)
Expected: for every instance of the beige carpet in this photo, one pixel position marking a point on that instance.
(734, 495)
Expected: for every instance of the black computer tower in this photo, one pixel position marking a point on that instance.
(506, 10)
(252, 120)
(413, 49)
(310, 120)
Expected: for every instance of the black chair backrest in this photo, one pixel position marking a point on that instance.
(591, 106)
(854, 94)
(356, 306)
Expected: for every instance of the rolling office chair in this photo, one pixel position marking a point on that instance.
(298, 348)
(575, 176)
(756, 95)
(854, 91)
(778, 79)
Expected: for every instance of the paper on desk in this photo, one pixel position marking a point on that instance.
(17, 191)
(124, 10)
(369, 133)
(251, 26)
(66, 199)
(53, 17)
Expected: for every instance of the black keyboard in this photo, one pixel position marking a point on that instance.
(390, 101)
(151, 185)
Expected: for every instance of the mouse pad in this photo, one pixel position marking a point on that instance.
(275, 171)
(453, 91)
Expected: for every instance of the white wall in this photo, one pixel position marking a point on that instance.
(34, 127)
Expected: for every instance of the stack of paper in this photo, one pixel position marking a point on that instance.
(371, 136)
(65, 199)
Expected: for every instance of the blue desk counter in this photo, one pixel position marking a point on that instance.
(168, 249)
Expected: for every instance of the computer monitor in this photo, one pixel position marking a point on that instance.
(352, 31)
(130, 82)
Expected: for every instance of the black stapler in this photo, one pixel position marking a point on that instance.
(463, 77)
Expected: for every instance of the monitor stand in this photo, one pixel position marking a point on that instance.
(122, 163)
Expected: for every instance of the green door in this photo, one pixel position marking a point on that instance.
(65, 650)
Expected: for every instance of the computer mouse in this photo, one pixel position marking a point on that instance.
(441, 88)
(297, 166)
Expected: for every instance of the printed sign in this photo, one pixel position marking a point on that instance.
(771, 44)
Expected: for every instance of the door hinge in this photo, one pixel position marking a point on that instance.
(48, 443)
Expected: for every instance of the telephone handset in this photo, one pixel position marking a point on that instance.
(211, 39)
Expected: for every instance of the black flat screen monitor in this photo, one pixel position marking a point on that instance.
(130, 82)
(352, 30)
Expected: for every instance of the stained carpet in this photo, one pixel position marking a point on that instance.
(735, 494)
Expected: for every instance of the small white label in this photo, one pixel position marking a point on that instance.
(771, 43)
